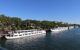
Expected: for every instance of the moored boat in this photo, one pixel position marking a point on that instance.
(23, 33)
(59, 29)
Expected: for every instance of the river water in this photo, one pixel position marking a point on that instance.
(66, 40)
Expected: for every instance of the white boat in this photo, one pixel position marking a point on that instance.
(59, 29)
(23, 33)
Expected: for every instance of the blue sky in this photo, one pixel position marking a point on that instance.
(54, 10)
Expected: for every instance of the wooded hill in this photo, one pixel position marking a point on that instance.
(15, 23)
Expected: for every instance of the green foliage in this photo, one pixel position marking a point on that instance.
(16, 23)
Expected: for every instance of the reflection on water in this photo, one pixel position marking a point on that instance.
(23, 43)
(66, 40)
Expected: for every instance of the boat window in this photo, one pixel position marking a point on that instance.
(15, 35)
(15, 32)
(28, 31)
(20, 35)
(11, 35)
(18, 32)
(8, 35)
(25, 34)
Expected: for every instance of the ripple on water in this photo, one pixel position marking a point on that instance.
(66, 40)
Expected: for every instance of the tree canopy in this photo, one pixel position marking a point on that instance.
(17, 23)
